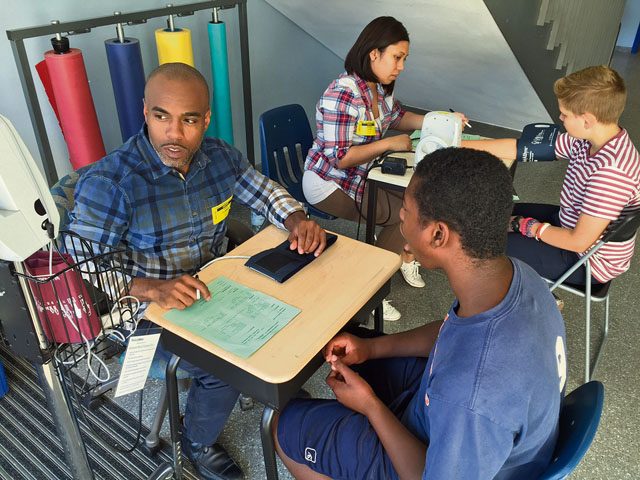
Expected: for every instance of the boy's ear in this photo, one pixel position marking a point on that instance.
(440, 235)
(589, 120)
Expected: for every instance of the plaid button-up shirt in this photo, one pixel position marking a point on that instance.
(344, 103)
(165, 222)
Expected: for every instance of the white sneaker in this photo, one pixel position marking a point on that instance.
(411, 273)
(389, 312)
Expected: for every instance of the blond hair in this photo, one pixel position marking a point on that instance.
(598, 90)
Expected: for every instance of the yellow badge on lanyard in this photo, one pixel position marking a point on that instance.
(366, 128)
(220, 212)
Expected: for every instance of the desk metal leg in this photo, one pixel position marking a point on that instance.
(371, 212)
(378, 324)
(268, 448)
(174, 415)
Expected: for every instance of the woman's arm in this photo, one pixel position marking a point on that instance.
(360, 154)
(409, 122)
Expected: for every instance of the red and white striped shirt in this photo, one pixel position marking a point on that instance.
(604, 185)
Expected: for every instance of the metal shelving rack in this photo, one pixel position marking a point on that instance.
(17, 37)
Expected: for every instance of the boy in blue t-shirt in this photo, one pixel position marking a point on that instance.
(476, 395)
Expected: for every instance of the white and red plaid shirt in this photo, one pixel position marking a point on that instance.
(345, 102)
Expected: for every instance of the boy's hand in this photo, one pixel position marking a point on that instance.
(347, 348)
(350, 389)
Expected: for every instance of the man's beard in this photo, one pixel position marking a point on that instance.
(176, 164)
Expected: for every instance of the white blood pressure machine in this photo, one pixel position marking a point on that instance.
(439, 130)
(28, 215)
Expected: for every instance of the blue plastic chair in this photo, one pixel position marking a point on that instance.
(579, 419)
(285, 139)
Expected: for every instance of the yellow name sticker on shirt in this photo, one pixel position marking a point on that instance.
(220, 212)
(366, 128)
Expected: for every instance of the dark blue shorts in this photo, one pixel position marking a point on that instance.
(333, 440)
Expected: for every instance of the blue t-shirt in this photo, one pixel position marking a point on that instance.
(489, 399)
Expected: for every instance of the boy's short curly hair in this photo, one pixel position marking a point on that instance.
(470, 191)
(598, 90)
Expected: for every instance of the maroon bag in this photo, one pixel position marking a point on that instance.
(64, 306)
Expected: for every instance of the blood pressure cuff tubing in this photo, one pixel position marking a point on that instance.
(538, 142)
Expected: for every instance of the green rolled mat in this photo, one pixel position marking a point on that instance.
(221, 125)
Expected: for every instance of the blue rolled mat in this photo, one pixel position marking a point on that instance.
(221, 123)
(127, 78)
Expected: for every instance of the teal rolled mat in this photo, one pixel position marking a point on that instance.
(221, 123)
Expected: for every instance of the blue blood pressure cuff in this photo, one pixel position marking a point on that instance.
(281, 263)
(538, 142)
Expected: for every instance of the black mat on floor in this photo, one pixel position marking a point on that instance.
(29, 446)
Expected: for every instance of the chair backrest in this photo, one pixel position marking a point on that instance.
(62, 193)
(285, 140)
(623, 228)
(579, 419)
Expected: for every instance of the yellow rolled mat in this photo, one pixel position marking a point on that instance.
(174, 46)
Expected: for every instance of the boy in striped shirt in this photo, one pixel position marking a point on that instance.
(602, 182)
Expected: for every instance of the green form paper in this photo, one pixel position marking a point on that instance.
(237, 318)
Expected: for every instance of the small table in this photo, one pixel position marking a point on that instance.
(395, 182)
(346, 282)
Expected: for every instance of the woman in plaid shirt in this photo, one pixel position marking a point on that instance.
(352, 117)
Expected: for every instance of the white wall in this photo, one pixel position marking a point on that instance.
(287, 65)
(630, 21)
(458, 57)
(278, 51)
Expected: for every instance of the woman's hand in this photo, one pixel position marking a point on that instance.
(462, 117)
(398, 142)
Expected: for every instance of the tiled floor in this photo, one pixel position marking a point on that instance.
(615, 453)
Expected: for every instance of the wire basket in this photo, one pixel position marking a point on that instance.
(80, 291)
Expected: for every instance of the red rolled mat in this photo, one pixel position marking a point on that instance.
(65, 80)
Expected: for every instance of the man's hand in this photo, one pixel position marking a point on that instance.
(347, 348)
(350, 389)
(305, 235)
(177, 293)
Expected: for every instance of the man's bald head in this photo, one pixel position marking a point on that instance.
(178, 72)
(177, 113)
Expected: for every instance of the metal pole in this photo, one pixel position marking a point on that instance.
(66, 423)
(246, 80)
(268, 448)
(119, 30)
(59, 404)
(30, 96)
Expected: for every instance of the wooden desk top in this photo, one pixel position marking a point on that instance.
(403, 180)
(329, 292)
